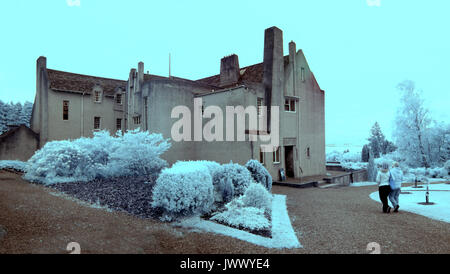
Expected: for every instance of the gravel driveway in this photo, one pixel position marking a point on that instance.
(334, 220)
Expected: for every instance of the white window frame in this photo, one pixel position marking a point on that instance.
(117, 123)
(259, 106)
(290, 101)
(99, 122)
(276, 155)
(262, 156)
(64, 106)
(119, 95)
(137, 120)
(99, 92)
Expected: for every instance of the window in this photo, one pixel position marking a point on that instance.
(289, 105)
(119, 124)
(119, 98)
(259, 105)
(261, 156)
(137, 120)
(97, 96)
(276, 156)
(65, 110)
(96, 122)
(303, 75)
(308, 152)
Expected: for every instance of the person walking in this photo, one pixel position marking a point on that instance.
(396, 184)
(383, 186)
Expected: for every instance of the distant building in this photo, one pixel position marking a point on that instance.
(69, 105)
(18, 143)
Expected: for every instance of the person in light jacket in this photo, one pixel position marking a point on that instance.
(383, 186)
(397, 176)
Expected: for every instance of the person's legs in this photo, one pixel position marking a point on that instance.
(384, 192)
(392, 197)
(397, 197)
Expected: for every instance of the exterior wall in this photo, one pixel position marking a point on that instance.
(20, 145)
(162, 96)
(82, 110)
(312, 121)
(226, 151)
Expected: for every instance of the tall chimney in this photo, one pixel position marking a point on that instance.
(292, 53)
(42, 99)
(273, 76)
(229, 70)
(140, 75)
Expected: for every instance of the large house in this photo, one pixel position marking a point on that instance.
(69, 105)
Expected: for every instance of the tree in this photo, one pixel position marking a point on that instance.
(14, 114)
(377, 141)
(438, 144)
(411, 123)
(371, 168)
(365, 154)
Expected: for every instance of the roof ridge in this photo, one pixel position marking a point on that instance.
(86, 75)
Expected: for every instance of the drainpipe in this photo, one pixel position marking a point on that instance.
(82, 114)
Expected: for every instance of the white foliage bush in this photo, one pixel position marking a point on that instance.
(13, 164)
(183, 190)
(214, 168)
(259, 173)
(83, 159)
(257, 196)
(247, 217)
(240, 177)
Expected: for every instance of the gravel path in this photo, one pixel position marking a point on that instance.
(335, 220)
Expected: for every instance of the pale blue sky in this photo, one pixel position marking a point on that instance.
(357, 52)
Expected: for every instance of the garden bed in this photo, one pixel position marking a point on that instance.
(129, 194)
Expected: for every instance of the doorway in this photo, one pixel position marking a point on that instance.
(289, 160)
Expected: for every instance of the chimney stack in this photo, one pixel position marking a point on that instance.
(229, 70)
(273, 77)
(292, 54)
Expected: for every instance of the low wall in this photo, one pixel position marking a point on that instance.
(348, 178)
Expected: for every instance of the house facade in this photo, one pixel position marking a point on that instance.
(69, 105)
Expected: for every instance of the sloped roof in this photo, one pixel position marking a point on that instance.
(14, 129)
(67, 81)
(253, 73)
(73, 82)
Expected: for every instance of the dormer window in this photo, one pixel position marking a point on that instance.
(97, 96)
(119, 98)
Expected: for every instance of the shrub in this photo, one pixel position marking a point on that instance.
(447, 167)
(240, 177)
(214, 168)
(13, 164)
(184, 190)
(257, 196)
(248, 217)
(259, 173)
(225, 190)
(83, 159)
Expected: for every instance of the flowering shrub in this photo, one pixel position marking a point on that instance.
(183, 190)
(83, 159)
(259, 173)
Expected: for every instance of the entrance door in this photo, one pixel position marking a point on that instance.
(289, 160)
